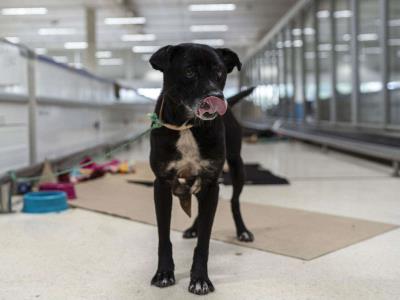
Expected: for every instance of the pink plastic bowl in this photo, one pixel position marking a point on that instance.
(68, 188)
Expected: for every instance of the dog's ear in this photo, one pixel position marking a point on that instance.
(160, 60)
(230, 59)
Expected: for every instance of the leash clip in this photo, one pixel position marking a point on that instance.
(155, 121)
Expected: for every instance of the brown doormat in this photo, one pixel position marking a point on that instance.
(291, 232)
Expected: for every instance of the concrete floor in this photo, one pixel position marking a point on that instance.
(85, 255)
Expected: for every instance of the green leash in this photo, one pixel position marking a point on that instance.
(155, 123)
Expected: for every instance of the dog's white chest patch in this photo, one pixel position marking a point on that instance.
(190, 163)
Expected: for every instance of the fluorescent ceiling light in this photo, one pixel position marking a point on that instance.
(13, 39)
(393, 85)
(40, 51)
(296, 31)
(145, 49)
(371, 87)
(210, 42)
(346, 37)
(366, 37)
(61, 59)
(208, 28)
(323, 14)
(325, 47)
(75, 45)
(309, 31)
(125, 21)
(298, 43)
(306, 31)
(111, 61)
(56, 31)
(103, 54)
(138, 37)
(343, 14)
(24, 11)
(212, 7)
(394, 22)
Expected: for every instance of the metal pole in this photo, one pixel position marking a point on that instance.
(316, 52)
(278, 72)
(285, 76)
(276, 68)
(241, 82)
(355, 97)
(5, 197)
(32, 107)
(129, 66)
(293, 71)
(333, 102)
(384, 61)
(91, 38)
(303, 64)
(396, 169)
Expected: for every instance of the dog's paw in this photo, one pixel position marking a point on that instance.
(246, 236)
(163, 279)
(201, 286)
(190, 233)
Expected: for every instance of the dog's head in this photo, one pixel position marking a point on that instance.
(194, 77)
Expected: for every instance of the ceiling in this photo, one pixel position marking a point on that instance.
(168, 20)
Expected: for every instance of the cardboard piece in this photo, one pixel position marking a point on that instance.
(291, 232)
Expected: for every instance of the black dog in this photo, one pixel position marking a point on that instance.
(188, 153)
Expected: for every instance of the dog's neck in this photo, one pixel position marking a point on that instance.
(171, 113)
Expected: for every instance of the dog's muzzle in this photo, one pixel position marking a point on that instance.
(210, 107)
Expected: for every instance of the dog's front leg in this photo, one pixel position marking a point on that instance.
(163, 202)
(199, 282)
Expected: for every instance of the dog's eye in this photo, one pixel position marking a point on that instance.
(189, 73)
(219, 74)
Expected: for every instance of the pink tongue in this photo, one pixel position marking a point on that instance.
(215, 105)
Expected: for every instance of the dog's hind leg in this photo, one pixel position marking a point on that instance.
(163, 202)
(236, 169)
(200, 284)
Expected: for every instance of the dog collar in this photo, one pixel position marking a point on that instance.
(158, 120)
(177, 128)
(157, 123)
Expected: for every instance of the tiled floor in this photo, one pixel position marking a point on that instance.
(85, 255)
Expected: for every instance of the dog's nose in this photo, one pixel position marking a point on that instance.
(205, 106)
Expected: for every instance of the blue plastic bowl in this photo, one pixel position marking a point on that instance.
(44, 202)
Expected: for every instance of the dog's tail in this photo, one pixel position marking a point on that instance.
(239, 96)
